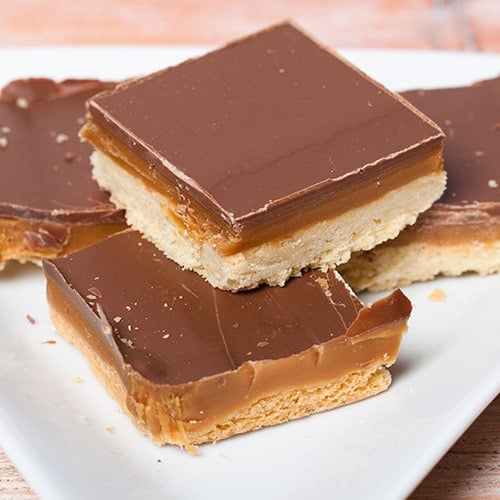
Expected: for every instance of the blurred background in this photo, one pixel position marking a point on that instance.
(410, 24)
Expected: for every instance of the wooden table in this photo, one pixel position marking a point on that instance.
(472, 467)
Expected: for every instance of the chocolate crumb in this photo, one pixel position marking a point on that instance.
(30, 319)
(22, 103)
(111, 430)
(95, 291)
(51, 342)
(68, 156)
(61, 138)
(127, 342)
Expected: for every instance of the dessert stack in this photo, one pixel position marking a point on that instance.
(247, 175)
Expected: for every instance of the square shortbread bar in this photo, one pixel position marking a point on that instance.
(265, 157)
(190, 363)
(49, 203)
(461, 231)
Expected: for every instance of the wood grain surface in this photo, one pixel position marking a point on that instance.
(471, 469)
(437, 24)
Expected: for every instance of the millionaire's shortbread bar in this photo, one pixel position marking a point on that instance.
(190, 363)
(461, 231)
(49, 203)
(265, 157)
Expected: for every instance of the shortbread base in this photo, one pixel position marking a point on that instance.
(387, 267)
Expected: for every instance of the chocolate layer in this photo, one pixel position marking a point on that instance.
(470, 118)
(45, 171)
(173, 328)
(264, 126)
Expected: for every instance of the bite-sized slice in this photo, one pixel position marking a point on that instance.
(49, 203)
(461, 231)
(190, 363)
(262, 158)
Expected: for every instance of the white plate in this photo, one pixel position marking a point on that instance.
(70, 441)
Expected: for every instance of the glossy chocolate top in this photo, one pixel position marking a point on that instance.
(173, 327)
(266, 121)
(470, 118)
(45, 171)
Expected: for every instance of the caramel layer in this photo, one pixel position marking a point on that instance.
(201, 354)
(32, 240)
